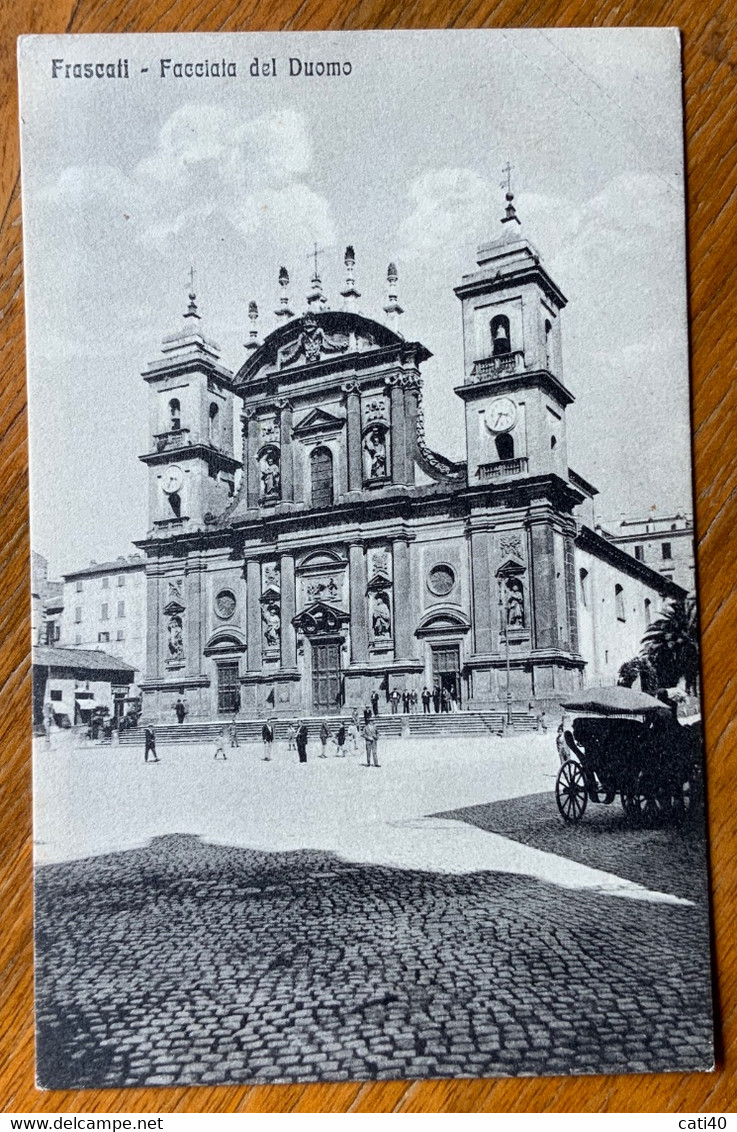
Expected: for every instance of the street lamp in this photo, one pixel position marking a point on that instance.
(504, 607)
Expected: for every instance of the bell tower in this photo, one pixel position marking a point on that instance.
(513, 384)
(191, 461)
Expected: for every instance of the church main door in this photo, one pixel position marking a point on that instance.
(326, 679)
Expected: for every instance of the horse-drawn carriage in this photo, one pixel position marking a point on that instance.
(623, 743)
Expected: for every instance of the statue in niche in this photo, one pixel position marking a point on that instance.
(381, 621)
(374, 446)
(271, 618)
(515, 603)
(175, 638)
(270, 474)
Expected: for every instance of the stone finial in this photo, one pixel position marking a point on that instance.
(283, 311)
(252, 343)
(392, 308)
(350, 293)
(316, 300)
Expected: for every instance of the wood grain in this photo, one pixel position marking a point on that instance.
(710, 58)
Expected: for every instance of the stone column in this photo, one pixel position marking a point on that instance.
(250, 467)
(398, 433)
(286, 465)
(194, 615)
(411, 401)
(253, 614)
(403, 604)
(357, 603)
(154, 624)
(288, 610)
(544, 584)
(569, 558)
(485, 597)
(353, 436)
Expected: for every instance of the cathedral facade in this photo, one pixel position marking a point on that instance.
(334, 553)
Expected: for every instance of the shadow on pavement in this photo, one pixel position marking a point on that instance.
(669, 859)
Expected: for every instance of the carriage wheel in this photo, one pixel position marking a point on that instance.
(570, 791)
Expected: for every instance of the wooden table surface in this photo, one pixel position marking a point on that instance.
(710, 61)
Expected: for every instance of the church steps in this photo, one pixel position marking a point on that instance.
(389, 726)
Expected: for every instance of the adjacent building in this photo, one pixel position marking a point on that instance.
(69, 684)
(332, 552)
(104, 609)
(663, 542)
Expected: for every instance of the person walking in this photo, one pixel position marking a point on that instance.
(220, 755)
(301, 741)
(353, 734)
(375, 702)
(149, 736)
(267, 735)
(371, 738)
(426, 698)
(367, 714)
(291, 736)
(324, 736)
(340, 741)
(234, 729)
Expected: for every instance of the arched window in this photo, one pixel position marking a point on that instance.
(619, 603)
(648, 613)
(321, 475)
(175, 415)
(213, 424)
(553, 442)
(548, 343)
(583, 587)
(500, 338)
(504, 446)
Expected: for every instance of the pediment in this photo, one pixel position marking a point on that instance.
(378, 581)
(510, 569)
(172, 608)
(317, 421)
(320, 618)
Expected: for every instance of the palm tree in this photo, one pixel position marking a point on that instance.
(671, 644)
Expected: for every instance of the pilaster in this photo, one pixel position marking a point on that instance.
(253, 614)
(288, 611)
(402, 600)
(357, 603)
(353, 435)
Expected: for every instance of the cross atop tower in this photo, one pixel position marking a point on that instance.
(507, 182)
(315, 298)
(510, 211)
(191, 311)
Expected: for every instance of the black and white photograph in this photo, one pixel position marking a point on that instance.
(360, 441)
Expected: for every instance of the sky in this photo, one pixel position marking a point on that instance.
(126, 184)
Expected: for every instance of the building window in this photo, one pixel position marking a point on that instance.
(121, 579)
(583, 587)
(619, 603)
(213, 424)
(78, 638)
(79, 585)
(103, 638)
(640, 553)
(105, 583)
(78, 614)
(504, 446)
(104, 611)
(648, 613)
(500, 340)
(175, 415)
(121, 609)
(548, 344)
(666, 551)
(120, 635)
(321, 476)
(55, 694)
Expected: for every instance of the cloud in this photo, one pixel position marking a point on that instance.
(210, 173)
(448, 205)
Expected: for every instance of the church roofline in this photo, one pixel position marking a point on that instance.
(334, 320)
(600, 547)
(174, 365)
(487, 280)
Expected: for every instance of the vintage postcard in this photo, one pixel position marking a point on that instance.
(359, 402)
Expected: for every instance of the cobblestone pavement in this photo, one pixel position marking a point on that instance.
(186, 962)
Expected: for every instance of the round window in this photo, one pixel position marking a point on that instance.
(441, 580)
(225, 604)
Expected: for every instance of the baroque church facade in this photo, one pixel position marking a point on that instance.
(335, 553)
